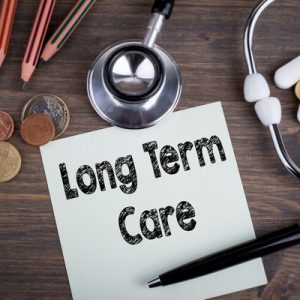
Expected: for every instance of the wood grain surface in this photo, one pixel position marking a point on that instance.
(205, 37)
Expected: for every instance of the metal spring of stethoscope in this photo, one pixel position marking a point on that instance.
(256, 80)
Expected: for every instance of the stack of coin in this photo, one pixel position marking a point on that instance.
(52, 113)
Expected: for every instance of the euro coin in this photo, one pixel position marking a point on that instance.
(6, 126)
(10, 162)
(52, 106)
(37, 130)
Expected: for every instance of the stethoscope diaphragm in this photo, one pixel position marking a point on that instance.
(134, 73)
(135, 84)
(134, 101)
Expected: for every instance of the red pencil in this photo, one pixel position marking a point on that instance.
(36, 39)
(7, 14)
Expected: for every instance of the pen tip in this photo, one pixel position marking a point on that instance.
(40, 64)
(154, 283)
(23, 86)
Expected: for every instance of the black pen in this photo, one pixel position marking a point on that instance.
(262, 246)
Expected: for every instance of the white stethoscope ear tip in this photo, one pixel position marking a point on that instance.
(268, 111)
(256, 88)
(298, 114)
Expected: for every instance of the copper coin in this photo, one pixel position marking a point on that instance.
(6, 126)
(52, 106)
(37, 130)
(10, 162)
(297, 90)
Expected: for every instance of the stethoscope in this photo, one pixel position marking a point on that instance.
(256, 89)
(135, 84)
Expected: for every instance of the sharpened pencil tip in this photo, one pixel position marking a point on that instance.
(23, 86)
(1, 60)
(41, 62)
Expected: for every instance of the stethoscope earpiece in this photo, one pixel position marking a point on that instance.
(135, 84)
(256, 89)
(268, 111)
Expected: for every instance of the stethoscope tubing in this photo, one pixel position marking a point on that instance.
(250, 61)
(249, 32)
(282, 152)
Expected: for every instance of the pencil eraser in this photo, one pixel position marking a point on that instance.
(256, 88)
(288, 75)
(268, 111)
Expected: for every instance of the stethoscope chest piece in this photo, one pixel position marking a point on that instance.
(135, 84)
(132, 86)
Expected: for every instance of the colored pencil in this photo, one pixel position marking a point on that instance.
(36, 39)
(7, 14)
(66, 28)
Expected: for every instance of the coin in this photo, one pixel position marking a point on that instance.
(10, 161)
(6, 126)
(37, 130)
(53, 107)
(297, 90)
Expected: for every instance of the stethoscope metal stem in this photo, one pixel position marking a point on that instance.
(154, 28)
(282, 152)
(250, 60)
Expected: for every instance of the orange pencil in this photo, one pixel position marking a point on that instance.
(66, 28)
(36, 39)
(7, 14)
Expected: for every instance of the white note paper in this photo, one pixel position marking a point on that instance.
(100, 262)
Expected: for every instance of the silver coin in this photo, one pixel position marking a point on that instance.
(53, 107)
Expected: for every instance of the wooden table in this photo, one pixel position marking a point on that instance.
(205, 37)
